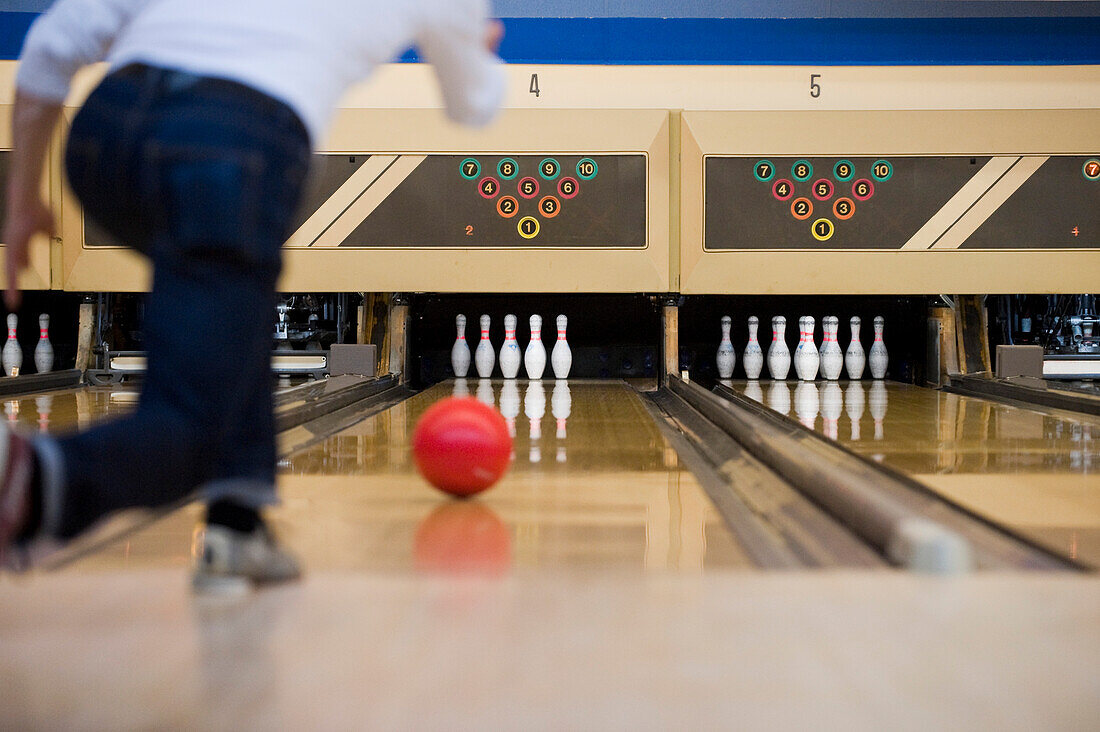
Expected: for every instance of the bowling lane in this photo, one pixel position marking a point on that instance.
(592, 484)
(1036, 472)
(63, 410)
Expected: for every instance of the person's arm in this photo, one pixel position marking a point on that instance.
(72, 34)
(27, 213)
(461, 45)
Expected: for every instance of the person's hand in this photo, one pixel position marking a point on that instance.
(494, 33)
(26, 216)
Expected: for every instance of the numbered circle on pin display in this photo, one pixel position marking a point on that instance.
(528, 227)
(763, 171)
(823, 189)
(549, 169)
(488, 187)
(507, 206)
(507, 168)
(469, 168)
(863, 189)
(843, 170)
(1091, 169)
(528, 187)
(822, 229)
(802, 208)
(549, 207)
(783, 189)
(568, 187)
(802, 170)
(882, 170)
(843, 208)
(587, 168)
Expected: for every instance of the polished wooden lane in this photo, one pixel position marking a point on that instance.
(593, 484)
(63, 410)
(1036, 472)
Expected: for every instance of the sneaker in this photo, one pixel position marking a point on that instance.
(16, 469)
(233, 561)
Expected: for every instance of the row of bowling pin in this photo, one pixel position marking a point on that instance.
(43, 353)
(534, 358)
(808, 360)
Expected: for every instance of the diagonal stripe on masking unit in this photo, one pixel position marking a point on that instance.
(960, 203)
(365, 204)
(340, 200)
(994, 198)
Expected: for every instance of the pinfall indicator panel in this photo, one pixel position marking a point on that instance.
(902, 203)
(471, 201)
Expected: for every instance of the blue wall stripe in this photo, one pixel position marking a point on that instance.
(13, 29)
(769, 41)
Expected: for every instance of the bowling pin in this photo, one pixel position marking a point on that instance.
(796, 357)
(534, 358)
(832, 406)
(779, 356)
(754, 357)
(485, 356)
(509, 352)
(807, 355)
(561, 358)
(726, 358)
(854, 400)
(878, 358)
(12, 353)
(460, 351)
(854, 359)
(832, 358)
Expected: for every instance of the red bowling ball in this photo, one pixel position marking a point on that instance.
(461, 446)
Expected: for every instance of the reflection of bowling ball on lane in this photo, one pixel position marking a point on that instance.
(461, 446)
(463, 537)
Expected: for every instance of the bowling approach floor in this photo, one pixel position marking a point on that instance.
(596, 586)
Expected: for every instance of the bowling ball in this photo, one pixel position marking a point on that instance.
(461, 446)
(463, 537)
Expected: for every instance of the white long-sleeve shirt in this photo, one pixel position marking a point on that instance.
(304, 53)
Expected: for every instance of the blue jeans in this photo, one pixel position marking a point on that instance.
(202, 176)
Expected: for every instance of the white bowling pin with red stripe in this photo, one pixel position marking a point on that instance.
(534, 358)
(460, 351)
(779, 356)
(832, 358)
(510, 357)
(854, 358)
(754, 357)
(878, 359)
(806, 358)
(726, 358)
(12, 353)
(561, 358)
(485, 356)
